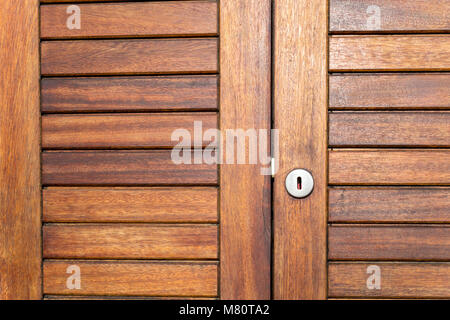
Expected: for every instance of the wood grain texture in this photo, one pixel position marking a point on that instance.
(389, 167)
(159, 93)
(168, 18)
(101, 298)
(245, 194)
(122, 130)
(145, 56)
(20, 208)
(130, 205)
(390, 91)
(122, 168)
(419, 129)
(300, 104)
(388, 242)
(390, 53)
(63, 1)
(128, 241)
(395, 16)
(398, 280)
(398, 205)
(114, 278)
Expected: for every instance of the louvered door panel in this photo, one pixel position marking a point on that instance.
(389, 163)
(115, 205)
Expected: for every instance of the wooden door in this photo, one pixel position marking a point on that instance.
(388, 161)
(93, 205)
(363, 105)
(89, 107)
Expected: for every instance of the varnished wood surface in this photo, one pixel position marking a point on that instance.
(389, 167)
(122, 130)
(141, 93)
(392, 204)
(20, 206)
(175, 204)
(122, 168)
(136, 94)
(300, 104)
(101, 298)
(390, 91)
(113, 278)
(245, 103)
(398, 280)
(143, 56)
(63, 1)
(389, 53)
(389, 242)
(167, 18)
(395, 16)
(418, 129)
(128, 241)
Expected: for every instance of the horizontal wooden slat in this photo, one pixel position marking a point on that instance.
(63, 1)
(132, 19)
(133, 278)
(126, 241)
(399, 15)
(389, 129)
(108, 57)
(176, 204)
(390, 53)
(122, 130)
(384, 242)
(398, 280)
(388, 91)
(389, 204)
(129, 94)
(122, 168)
(101, 298)
(389, 167)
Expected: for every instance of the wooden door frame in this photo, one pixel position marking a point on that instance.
(20, 201)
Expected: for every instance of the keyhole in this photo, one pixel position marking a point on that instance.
(299, 183)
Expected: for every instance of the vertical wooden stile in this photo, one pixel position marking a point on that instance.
(300, 113)
(245, 194)
(20, 206)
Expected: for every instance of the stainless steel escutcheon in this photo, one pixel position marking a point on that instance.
(299, 183)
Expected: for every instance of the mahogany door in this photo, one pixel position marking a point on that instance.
(94, 206)
(389, 162)
(361, 99)
(363, 105)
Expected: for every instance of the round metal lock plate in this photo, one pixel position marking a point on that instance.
(299, 183)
